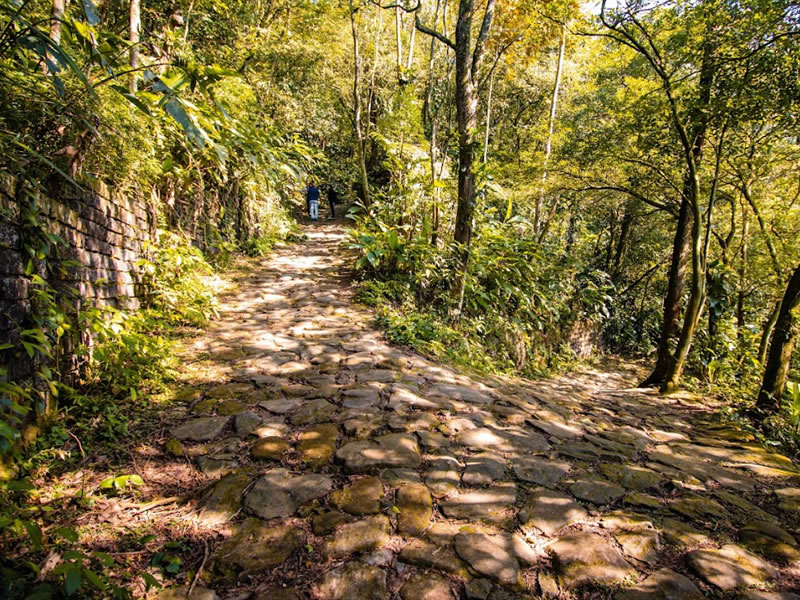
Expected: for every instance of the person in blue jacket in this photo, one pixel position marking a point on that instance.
(312, 201)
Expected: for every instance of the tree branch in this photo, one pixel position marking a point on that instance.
(426, 30)
(483, 36)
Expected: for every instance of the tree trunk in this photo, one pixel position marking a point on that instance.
(612, 232)
(624, 240)
(466, 109)
(769, 324)
(399, 42)
(488, 117)
(780, 353)
(740, 292)
(714, 316)
(696, 293)
(672, 299)
(468, 63)
(669, 367)
(357, 108)
(430, 118)
(766, 334)
(135, 30)
(56, 18)
(537, 218)
(410, 61)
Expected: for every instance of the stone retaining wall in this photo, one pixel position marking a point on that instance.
(106, 233)
(585, 338)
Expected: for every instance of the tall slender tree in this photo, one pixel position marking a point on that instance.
(135, 32)
(780, 352)
(469, 58)
(360, 144)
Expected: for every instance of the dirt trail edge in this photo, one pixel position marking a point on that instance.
(328, 464)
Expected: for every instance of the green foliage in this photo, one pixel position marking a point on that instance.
(793, 404)
(519, 303)
(176, 277)
(77, 573)
(120, 483)
(121, 354)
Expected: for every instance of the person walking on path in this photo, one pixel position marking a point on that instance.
(312, 201)
(333, 200)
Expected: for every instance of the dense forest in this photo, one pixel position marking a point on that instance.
(530, 186)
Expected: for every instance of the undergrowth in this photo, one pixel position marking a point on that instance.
(87, 403)
(518, 309)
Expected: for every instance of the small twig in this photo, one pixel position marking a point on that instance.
(156, 504)
(199, 570)
(83, 454)
(77, 441)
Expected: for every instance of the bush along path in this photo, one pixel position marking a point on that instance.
(323, 463)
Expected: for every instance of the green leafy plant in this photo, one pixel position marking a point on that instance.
(120, 483)
(793, 389)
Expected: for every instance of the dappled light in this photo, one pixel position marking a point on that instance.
(316, 300)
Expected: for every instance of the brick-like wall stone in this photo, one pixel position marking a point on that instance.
(105, 233)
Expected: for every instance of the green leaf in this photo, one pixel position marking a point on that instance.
(67, 533)
(137, 103)
(73, 580)
(178, 112)
(20, 485)
(149, 581)
(94, 579)
(104, 559)
(394, 242)
(107, 483)
(90, 11)
(35, 533)
(174, 565)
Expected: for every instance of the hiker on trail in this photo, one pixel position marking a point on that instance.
(312, 201)
(333, 200)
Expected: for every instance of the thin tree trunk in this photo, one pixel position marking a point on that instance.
(488, 117)
(773, 254)
(357, 107)
(696, 293)
(56, 19)
(186, 23)
(466, 109)
(780, 353)
(430, 117)
(397, 28)
(538, 209)
(672, 300)
(713, 316)
(410, 61)
(669, 367)
(766, 334)
(612, 229)
(740, 292)
(371, 94)
(135, 30)
(623, 241)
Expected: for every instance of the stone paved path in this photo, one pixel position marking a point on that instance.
(341, 468)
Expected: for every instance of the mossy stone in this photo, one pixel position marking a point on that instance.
(269, 448)
(175, 447)
(230, 407)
